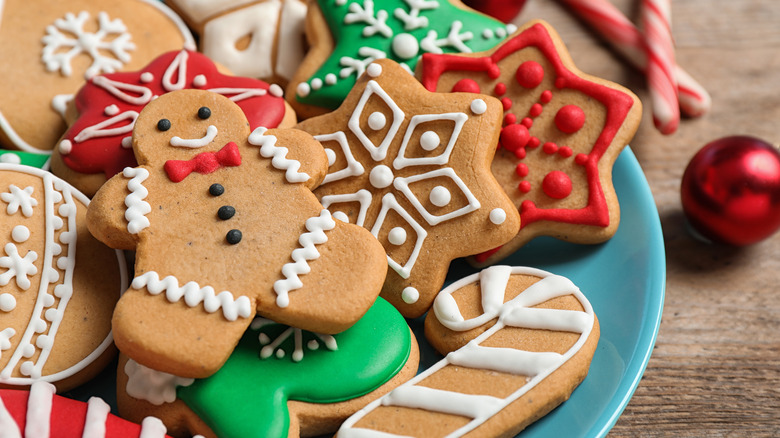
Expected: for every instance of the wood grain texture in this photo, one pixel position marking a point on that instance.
(715, 370)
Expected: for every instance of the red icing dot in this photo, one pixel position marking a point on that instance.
(500, 89)
(514, 137)
(534, 142)
(565, 151)
(550, 148)
(494, 71)
(524, 187)
(466, 86)
(581, 159)
(570, 119)
(507, 102)
(520, 153)
(528, 122)
(521, 170)
(546, 96)
(529, 74)
(535, 110)
(526, 205)
(510, 119)
(556, 184)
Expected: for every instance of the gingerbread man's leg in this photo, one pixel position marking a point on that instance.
(183, 330)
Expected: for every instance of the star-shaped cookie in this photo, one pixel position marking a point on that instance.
(563, 130)
(348, 35)
(413, 167)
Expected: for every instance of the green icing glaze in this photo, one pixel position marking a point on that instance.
(248, 396)
(365, 30)
(26, 158)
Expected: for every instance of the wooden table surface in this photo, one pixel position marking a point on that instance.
(715, 370)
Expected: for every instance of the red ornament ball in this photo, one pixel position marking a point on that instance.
(731, 190)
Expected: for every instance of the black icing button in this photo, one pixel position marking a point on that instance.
(216, 189)
(204, 113)
(233, 237)
(164, 124)
(226, 212)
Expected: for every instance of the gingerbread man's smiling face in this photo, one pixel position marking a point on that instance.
(183, 124)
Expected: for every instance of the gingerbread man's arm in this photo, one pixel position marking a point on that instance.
(117, 212)
(295, 152)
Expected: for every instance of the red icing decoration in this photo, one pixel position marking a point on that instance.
(500, 89)
(550, 148)
(535, 111)
(616, 103)
(565, 151)
(546, 96)
(527, 122)
(520, 153)
(569, 119)
(524, 186)
(534, 142)
(557, 184)
(530, 74)
(205, 162)
(514, 137)
(466, 86)
(507, 102)
(504, 10)
(521, 170)
(105, 154)
(510, 119)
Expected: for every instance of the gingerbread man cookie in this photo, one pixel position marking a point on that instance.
(97, 145)
(225, 225)
(414, 168)
(50, 47)
(563, 131)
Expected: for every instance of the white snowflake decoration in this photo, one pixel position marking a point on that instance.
(66, 39)
(17, 267)
(271, 347)
(18, 198)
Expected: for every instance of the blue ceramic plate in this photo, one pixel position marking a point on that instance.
(624, 279)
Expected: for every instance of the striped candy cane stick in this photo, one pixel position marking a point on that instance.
(609, 22)
(656, 18)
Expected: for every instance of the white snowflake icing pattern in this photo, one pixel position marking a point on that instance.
(17, 266)
(272, 347)
(19, 199)
(66, 39)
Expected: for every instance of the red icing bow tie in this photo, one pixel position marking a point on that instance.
(205, 162)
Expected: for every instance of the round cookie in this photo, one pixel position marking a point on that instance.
(281, 381)
(58, 285)
(97, 145)
(50, 47)
(225, 225)
(517, 341)
(254, 38)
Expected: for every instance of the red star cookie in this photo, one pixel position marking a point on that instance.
(413, 167)
(563, 131)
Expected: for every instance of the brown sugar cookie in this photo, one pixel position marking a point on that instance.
(49, 47)
(562, 132)
(225, 225)
(279, 382)
(517, 342)
(253, 38)
(58, 285)
(414, 168)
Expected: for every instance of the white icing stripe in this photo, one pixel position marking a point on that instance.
(39, 409)
(316, 227)
(362, 197)
(290, 52)
(278, 155)
(97, 415)
(548, 319)
(378, 153)
(137, 208)
(367, 433)
(193, 295)
(402, 185)
(140, 95)
(505, 360)
(492, 284)
(211, 134)
(179, 64)
(8, 426)
(437, 400)
(239, 94)
(104, 128)
(152, 427)
(390, 203)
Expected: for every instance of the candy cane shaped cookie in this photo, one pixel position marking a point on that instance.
(517, 342)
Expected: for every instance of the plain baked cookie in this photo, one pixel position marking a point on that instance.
(97, 145)
(49, 47)
(414, 168)
(58, 285)
(563, 131)
(517, 342)
(280, 381)
(348, 35)
(225, 225)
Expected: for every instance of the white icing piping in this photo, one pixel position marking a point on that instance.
(402, 185)
(152, 427)
(193, 295)
(39, 409)
(390, 203)
(154, 386)
(95, 421)
(97, 130)
(536, 365)
(211, 134)
(316, 227)
(278, 155)
(137, 208)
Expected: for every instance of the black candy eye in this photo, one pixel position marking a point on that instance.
(204, 113)
(164, 125)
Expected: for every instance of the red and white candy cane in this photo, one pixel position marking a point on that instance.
(629, 42)
(662, 85)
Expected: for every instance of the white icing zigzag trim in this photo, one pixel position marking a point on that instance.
(194, 294)
(316, 226)
(137, 208)
(278, 155)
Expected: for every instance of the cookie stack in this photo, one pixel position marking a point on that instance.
(290, 193)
